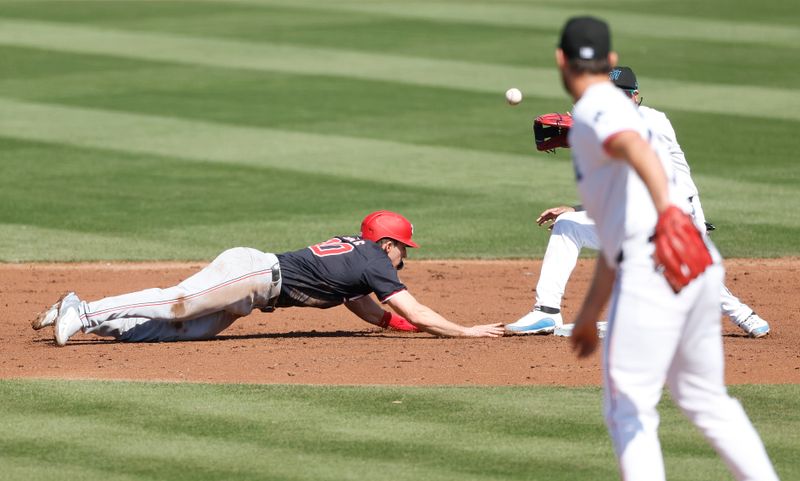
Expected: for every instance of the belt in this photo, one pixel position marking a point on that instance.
(276, 282)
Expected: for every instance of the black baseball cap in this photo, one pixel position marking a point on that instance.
(585, 38)
(624, 78)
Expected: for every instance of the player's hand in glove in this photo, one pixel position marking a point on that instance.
(552, 214)
(680, 251)
(550, 131)
(397, 322)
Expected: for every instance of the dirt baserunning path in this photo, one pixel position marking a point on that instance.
(310, 346)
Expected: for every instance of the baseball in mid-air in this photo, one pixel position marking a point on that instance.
(513, 96)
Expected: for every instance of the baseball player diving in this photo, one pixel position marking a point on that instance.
(342, 270)
(574, 230)
(662, 276)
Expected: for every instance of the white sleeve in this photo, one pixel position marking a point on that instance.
(608, 123)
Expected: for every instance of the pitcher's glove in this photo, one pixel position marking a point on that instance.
(680, 251)
(550, 131)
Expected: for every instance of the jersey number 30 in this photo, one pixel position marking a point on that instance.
(332, 247)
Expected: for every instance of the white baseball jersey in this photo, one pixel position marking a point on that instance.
(661, 126)
(611, 191)
(654, 335)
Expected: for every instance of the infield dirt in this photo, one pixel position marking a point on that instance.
(311, 346)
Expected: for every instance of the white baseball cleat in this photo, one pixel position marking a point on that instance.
(537, 321)
(754, 326)
(47, 317)
(68, 322)
(566, 330)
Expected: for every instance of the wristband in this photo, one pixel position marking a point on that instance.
(397, 322)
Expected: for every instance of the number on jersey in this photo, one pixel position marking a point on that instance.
(332, 247)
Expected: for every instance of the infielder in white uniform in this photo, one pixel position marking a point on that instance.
(574, 230)
(655, 335)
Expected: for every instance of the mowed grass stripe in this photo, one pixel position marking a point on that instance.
(25, 243)
(212, 451)
(538, 16)
(732, 63)
(272, 57)
(451, 169)
(193, 209)
(314, 104)
(349, 157)
(231, 432)
(345, 432)
(481, 77)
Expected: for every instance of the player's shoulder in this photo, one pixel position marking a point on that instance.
(600, 101)
(651, 113)
(657, 119)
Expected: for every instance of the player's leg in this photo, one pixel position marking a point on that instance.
(742, 315)
(696, 380)
(643, 332)
(738, 312)
(130, 329)
(572, 232)
(236, 282)
(732, 307)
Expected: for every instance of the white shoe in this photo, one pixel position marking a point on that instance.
(537, 322)
(566, 330)
(754, 326)
(68, 322)
(47, 317)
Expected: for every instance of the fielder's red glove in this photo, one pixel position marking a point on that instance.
(680, 250)
(398, 323)
(550, 131)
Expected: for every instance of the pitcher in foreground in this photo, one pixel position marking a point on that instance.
(664, 322)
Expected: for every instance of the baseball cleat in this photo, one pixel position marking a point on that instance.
(537, 322)
(68, 322)
(754, 326)
(566, 330)
(47, 317)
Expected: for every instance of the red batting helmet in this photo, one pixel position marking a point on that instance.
(384, 223)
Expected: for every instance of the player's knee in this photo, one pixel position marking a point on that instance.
(565, 224)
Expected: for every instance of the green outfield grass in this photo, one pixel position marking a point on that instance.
(143, 431)
(134, 130)
(173, 130)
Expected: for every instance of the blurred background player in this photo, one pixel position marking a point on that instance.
(342, 270)
(574, 230)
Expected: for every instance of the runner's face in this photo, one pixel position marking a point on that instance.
(397, 252)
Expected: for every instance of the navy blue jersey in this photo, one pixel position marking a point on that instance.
(328, 274)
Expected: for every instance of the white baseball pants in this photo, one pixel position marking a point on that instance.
(653, 337)
(572, 232)
(231, 286)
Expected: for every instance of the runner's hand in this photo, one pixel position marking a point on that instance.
(551, 214)
(485, 330)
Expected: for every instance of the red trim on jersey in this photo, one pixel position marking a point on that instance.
(612, 137)
(392, 295)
